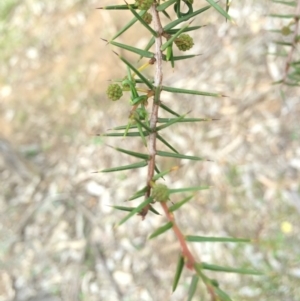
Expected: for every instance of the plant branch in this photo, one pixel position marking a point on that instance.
(158, 78)
(294, 42)
(186, 253)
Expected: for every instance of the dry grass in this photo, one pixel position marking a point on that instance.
(57, 240)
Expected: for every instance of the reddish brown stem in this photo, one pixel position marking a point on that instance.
(186, 253)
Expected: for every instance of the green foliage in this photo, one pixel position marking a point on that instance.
(146, 124)
(287, 43)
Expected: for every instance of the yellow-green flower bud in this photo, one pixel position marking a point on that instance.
(286, 31)
(160, 193)
(184, 42)
(144, 4)
(114, 92)
(147, 18)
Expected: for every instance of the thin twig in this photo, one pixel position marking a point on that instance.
(186, 253)
(158, 78)
(294, 43)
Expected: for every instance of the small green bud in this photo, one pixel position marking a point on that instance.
(147, 18)
(184, 42)
(114, 92)
(286, 31)
(160, 193)
(144, 4)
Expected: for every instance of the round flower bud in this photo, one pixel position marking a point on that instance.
(114, 92)
(144, 4)
(286, 31)
(184, 42)
(147, 18)
(160, 193)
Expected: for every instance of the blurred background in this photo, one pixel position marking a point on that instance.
(57, 236)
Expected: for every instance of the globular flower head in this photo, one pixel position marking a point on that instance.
(160, 193)
(144, 4)
(147, 18)
(184, 42)
(286, 31)
(114, 92)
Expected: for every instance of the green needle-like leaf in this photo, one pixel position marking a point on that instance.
(169, 123)
(130, 134)
(163, 173)
(142, 21)
(124, 127)
(289, 3)
(165, 5)
(166, 14)
(181, 57)
(168, 109)
(171, 40)
(179, 268)
(137, 72)
(117, 7)
(275, 30)
(161, 230)
(179, 204)
(165, 120)
(122, 208)
(283, 43)
(283, 54)
(193, 287)
(142, 134)
(295, 63)
(282, 16)
(156, 169)
(227, 6)
(217, 7)
(139, 193)
(223, 296)
(126, 167)
(166, 143)
(131, 153)
(143, 125)
(149, 45)
(128, 25)
(141, 52)
(185, 18)
(277, 82)
(154, 211)
(191, 28)
(217, 268)
(193, 238)
(178, 156)
(196, 188)
(193, 92)
(135, 210)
